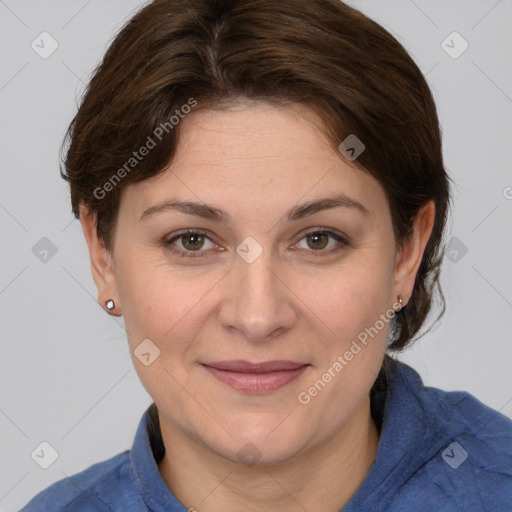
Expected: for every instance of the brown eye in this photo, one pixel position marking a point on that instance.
(189, 244)
(192, 241)
(318, 240)
(318, 243)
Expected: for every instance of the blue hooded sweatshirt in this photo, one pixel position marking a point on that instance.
(438, 452)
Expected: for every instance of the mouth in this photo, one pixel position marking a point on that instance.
(255, 378)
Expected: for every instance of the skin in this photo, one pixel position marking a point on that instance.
(297, 301)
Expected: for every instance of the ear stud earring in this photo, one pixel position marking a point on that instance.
(110, 304)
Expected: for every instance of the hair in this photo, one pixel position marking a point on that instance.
(176, 55)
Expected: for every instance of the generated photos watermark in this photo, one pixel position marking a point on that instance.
(304, 397)
(137, 156)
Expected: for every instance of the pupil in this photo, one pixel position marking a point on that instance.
(190, 239)
(316, 237)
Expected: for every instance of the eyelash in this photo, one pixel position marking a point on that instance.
(197, 254)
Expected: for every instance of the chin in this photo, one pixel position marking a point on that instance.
(261, 452)
(262, 442)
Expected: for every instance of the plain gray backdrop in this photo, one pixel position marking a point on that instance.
(66, 376)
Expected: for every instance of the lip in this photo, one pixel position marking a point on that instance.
(255, 378)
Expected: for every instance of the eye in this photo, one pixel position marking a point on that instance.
(317, 241)
(192, 242)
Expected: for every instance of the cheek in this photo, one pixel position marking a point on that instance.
(348, 299)
(352, 356)
(165, 307)
(162, 303)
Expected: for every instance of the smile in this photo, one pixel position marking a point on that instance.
(256, 378)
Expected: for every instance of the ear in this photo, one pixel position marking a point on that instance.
(409, 258)
(101, 262)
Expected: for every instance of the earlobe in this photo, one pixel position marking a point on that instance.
(410, 257)
(101, 262)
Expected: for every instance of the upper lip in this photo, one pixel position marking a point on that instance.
(247, 367)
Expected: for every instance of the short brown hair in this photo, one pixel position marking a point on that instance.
(321, 53)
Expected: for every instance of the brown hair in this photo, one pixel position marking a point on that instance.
(321, 53)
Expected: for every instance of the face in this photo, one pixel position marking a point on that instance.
(260, 313)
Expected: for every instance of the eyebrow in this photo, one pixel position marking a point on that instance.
(210, 212)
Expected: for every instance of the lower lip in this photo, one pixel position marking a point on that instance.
(257, 383)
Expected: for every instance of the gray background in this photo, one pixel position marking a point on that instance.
(66, 375)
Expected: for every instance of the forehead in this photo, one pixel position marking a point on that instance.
(254, 153)
(248, 129)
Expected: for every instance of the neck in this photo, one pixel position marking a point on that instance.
(321, 478)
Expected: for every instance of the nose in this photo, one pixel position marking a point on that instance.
(257, 300)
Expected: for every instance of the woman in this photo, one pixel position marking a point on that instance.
(262, 190)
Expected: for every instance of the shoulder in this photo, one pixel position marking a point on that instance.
(450, 413)
(485, 431)
(98, 488)
(467, 451)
